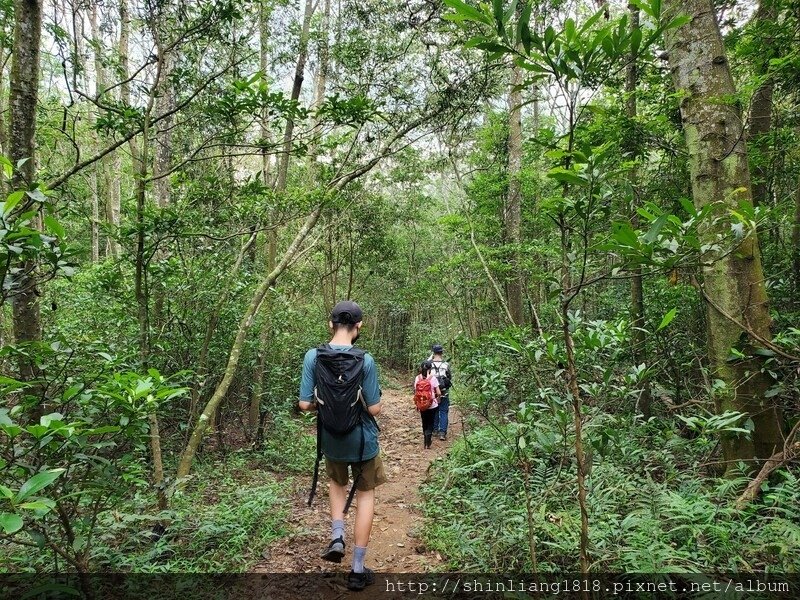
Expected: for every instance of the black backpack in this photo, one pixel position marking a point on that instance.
(338, 376)
(442, 372)
(337, 388)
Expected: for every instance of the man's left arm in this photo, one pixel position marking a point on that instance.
(307, 400)
(370, 387)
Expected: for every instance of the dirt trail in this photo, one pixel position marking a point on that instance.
(395, 545)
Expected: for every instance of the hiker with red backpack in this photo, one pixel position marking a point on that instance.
(426, 399)
(340, 382)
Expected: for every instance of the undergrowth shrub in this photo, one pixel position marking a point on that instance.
(676, 521)
(505, 498)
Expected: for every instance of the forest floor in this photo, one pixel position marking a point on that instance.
(395, 545)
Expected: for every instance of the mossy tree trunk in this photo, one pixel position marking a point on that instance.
(733, 282)
(23, 98)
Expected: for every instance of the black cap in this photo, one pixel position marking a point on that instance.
(346, 313)
(437, 349)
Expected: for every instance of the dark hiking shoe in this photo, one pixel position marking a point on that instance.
(335, 551)
(442, 437)
(358, 581)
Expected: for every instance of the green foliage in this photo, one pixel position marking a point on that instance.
(221, 525)
(86, 457)
(22, 241)
(649, 511)
(588, 53)
(290, 444)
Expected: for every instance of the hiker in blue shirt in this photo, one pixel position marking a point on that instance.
(357, 449)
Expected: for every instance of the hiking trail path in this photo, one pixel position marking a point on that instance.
(395, 545)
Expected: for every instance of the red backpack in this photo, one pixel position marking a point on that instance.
(423, 394)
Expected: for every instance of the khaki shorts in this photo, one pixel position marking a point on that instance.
(372, 473)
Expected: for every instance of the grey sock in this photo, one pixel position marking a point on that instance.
(359, 554)
(337, 529)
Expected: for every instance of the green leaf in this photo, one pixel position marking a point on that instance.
(497, 7)
(37, 195)
(549, 36)
(54, 226)
(678, 21)
(41, 506)
(624, 234)
(655, 228)
(10, 523)
(465, 12)
(37, 483)
(667, 319)
(530, 66)
(591, 21)
(510, 11)
(565, 176)
(37, 431)
(5, 492)
(608, 47)
(636, 40)
(764, 352)
(688, 206)
(47, 419)
(523, 27)
(478, 39)
(12, 200)
(11, 431)
(8, 168)
(569, 30)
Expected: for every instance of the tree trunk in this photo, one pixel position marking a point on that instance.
(280, 186)
(320, 87)
(720, 178)
(185, 465)
(761, 110)
(638, 341)
(24, 87)
(264, 12)
(254, 419)
(796, 245)
(283, 165)
(114, 203)
(513, 209)
(571, 375)
(165, 103)
(3, 125)
(141, 287)
(95, 174)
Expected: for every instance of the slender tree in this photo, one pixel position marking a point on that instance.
(760, 118)
(513, 207)
(637, 288)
